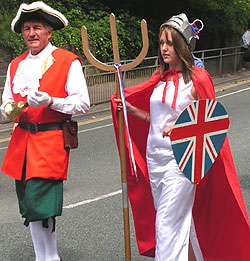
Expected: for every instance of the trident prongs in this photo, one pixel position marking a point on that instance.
(124, 67)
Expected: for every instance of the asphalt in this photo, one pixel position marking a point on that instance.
(98, 110)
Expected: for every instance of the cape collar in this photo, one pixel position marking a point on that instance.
(165, 78)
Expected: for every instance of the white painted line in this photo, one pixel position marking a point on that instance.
(96, 128)
(246, 89)
(84, 202)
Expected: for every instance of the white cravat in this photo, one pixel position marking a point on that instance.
(27, 76)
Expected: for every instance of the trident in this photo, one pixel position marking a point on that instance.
(124, 67)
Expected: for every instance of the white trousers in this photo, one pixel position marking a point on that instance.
(44, 241)
(173, 199)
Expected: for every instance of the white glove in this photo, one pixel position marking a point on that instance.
(37, 99)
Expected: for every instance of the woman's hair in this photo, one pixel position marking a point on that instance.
(181, 49)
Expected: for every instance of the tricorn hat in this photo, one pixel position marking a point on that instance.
(188, 31)
(38, 11)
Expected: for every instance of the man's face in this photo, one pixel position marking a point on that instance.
(36, 36)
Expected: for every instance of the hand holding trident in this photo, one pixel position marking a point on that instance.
(124, 67)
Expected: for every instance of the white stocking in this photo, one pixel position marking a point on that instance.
(39, 248)
(44, 241)
(49, 240)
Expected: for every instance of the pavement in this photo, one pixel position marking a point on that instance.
(221, 83)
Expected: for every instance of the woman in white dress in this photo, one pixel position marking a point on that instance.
(172, 192)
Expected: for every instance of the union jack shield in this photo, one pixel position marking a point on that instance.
(198, 136)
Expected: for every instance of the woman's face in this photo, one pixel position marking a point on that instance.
(168, 52)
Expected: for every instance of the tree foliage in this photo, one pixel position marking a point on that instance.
(225, 21)
(79, 13)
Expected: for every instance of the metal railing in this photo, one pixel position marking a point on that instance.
(101, 85)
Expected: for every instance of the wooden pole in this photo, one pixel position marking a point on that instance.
(121, 146)
(106, 67)
(123, 179)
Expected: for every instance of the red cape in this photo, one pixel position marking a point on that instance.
(219, 211)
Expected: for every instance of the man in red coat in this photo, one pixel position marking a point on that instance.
(51, 80)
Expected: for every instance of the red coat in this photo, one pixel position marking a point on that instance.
(219, 212)
(45, 153)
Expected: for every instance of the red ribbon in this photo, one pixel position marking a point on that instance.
(164, 78)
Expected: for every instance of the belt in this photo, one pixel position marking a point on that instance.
(33, 127)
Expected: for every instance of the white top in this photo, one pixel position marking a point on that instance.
(246, 38)
(29, 73)
(160, 157)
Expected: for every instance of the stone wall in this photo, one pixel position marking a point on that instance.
(5, 58)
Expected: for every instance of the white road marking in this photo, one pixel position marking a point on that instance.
(96, 128)
(84, 202)
(231, 93)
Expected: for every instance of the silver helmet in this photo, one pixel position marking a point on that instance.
(188, 31)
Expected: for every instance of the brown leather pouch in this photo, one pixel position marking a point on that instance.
(70, 130)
